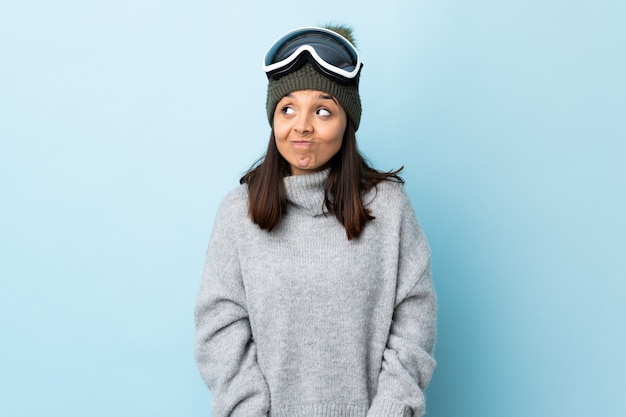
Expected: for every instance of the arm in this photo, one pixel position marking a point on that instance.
(407, 360)
(224, 348)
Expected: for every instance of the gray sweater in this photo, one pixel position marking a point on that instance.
(301, 322)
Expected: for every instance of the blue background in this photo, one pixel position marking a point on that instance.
(124, 123)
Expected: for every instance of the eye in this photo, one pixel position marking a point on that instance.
(287, 110)
(323, 112)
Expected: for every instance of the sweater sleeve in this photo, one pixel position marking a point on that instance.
(224, 347)
(408, 363)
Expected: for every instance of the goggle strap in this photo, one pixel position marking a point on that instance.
(305, 57)
(313, 53)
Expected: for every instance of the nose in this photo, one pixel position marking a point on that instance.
(303, 124)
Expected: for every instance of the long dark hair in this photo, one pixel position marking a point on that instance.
(349, 178)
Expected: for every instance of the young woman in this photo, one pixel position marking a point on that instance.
(316, 298)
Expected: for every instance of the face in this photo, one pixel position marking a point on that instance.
(309, 127)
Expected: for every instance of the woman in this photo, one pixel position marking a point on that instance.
(316, 299)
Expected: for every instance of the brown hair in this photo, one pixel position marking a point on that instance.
(349, 178)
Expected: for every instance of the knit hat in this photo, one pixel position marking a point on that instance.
(307, 78)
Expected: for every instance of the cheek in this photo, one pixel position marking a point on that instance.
(337, 136)
(280, 141)
(337, 146)
(280, 129)
(332, 145)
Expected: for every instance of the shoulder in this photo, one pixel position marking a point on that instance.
(236, 198)
(390, 203)
(234, 205)
(388, 195)
(393, 204)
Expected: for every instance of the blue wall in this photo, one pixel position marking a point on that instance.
(123, 124)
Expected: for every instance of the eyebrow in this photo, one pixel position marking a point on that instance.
(327, 97)
(320, 97)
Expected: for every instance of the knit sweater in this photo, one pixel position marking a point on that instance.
(302, 322)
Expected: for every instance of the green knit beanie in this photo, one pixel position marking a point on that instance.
(306, 78)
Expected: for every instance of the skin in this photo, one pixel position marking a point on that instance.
(309, 127)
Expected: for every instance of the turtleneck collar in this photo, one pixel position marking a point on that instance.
(307, 191)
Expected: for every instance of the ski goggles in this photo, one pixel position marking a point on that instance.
(329, 53)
